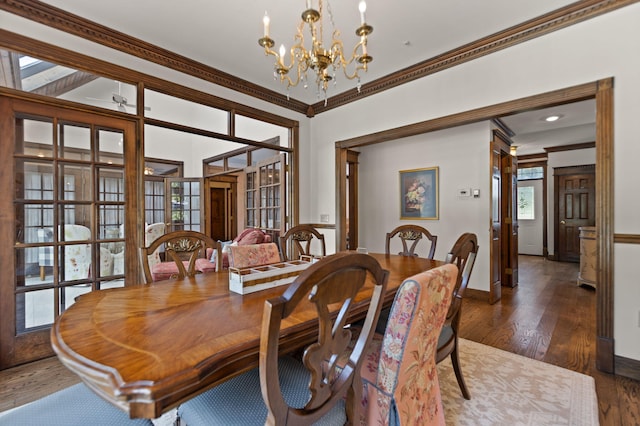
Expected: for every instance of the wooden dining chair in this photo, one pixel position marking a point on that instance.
(463, 255)
(300, 239)
(318, 388)
(184, 253)
(399, 372)
(76, 405)
(413, 234)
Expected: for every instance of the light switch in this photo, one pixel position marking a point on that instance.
(476, 193)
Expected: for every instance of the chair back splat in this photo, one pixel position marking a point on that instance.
(185, 256)
(301, 236)
(413, 234)
(337, 279)
(463, 255)
(324, 387)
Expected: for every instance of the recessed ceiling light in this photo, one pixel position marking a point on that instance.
(551, 118)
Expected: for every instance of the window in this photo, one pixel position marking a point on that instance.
(530, 173)
(526, 208)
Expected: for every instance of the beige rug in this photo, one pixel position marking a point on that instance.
(509, 389)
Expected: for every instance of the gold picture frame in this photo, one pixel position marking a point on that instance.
(419, 194)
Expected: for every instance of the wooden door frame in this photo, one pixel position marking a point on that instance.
(602, 91)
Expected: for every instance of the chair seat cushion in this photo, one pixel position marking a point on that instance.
(204, 265)
(76, 405)
(165, 270)
(239, 401)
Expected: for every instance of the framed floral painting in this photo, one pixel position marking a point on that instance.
(419, 194)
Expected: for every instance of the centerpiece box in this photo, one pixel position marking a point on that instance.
(256, 278)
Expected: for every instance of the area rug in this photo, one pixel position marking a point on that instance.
(509, 389)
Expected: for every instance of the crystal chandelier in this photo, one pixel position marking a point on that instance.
(323, 61)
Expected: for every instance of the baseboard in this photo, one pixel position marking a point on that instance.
(473, 293)
(627, 367)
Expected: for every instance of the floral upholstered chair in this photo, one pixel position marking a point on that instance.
(399, 372)
(151, 233)
(253, 255)
(77, 257)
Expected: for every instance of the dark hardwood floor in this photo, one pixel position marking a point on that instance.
(546, 317)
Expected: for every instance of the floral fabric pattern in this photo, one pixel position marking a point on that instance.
(253, 255)
(405, 389)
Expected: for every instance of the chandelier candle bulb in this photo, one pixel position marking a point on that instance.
(266, 21)
(363, 8)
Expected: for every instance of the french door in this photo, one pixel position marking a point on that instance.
(66, 193)
(265, 195)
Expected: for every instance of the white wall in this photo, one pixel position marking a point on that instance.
(598, 48)
(461, 155)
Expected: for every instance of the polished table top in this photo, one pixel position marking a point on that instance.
(148, 348)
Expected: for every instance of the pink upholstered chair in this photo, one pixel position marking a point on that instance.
(184, 254)
(399, 372)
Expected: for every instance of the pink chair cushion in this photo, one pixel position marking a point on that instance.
(253, 255)
(164, 270)
(256, 236)
(205, 265)
(252, 236)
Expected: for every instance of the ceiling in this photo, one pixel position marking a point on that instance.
(224, 35)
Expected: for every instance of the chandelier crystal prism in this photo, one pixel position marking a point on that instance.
(321, 60)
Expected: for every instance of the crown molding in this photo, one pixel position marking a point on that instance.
(59, 19)
(545, 24)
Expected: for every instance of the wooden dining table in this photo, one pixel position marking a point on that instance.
(148, 348)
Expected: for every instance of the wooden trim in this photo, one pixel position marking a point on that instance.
(58, 55)
(73, 24)
(604, 225)
(323, 225)
(627, 367)
(545, 24)
(574, 170)
(602, 90)
(626, 238)
(557, 97)
(570, 147)
(560, 18)
(473, 293)
(503, 127)
(531, 157)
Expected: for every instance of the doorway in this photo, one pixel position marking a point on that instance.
(602, 92)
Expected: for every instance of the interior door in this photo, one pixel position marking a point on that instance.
(513, 227)
(265, 195)
(218, 207)
(575, 201)
(495, 289)
(352, 200)
(69, 188)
